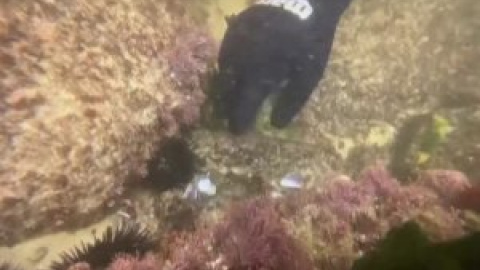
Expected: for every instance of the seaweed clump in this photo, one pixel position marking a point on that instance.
(254, 237)
(327, 226)
(469, 199)
(129, 262)
(125, 262)
(126, 238)
(251, 236)
(342, 219)
(417, 143)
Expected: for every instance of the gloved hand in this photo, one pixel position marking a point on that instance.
(275, 46)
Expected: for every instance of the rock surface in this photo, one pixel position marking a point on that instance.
(88, 91)
(390, 61)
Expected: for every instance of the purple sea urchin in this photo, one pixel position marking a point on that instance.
(125, 238)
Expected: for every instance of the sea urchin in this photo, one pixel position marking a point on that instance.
(125, 238)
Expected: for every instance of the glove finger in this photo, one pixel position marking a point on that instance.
(223, 84)
(293, 97)
(289, 102)
(304, 77)
(243, 104)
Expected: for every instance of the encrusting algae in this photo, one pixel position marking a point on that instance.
(88, 92)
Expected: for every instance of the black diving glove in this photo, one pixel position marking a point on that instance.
(276, 47)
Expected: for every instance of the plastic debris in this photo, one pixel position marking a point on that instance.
(292, 181)
(201, 187)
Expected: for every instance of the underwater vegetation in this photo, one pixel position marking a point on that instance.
(113, 138)
(469, 199)
(252, 236)
(416, 143)
(441, 138)
(342, 219)
(190, 60)
(273, 48)
(125, 262)
(329, 225)
(408, 248)
(131, 262)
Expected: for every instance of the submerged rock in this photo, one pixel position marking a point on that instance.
(86, 98)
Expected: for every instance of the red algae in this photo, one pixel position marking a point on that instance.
(468, 199)
(129, 262)
(253, 237)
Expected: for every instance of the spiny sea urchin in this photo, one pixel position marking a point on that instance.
(125, 238)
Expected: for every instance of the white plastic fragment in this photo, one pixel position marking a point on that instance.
(292, 181)
(190, 192)
(206, 186)
(200, 187)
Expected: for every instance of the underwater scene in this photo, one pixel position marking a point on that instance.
(239, 135)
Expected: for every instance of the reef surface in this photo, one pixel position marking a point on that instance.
(88, 92)
(86, 107)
